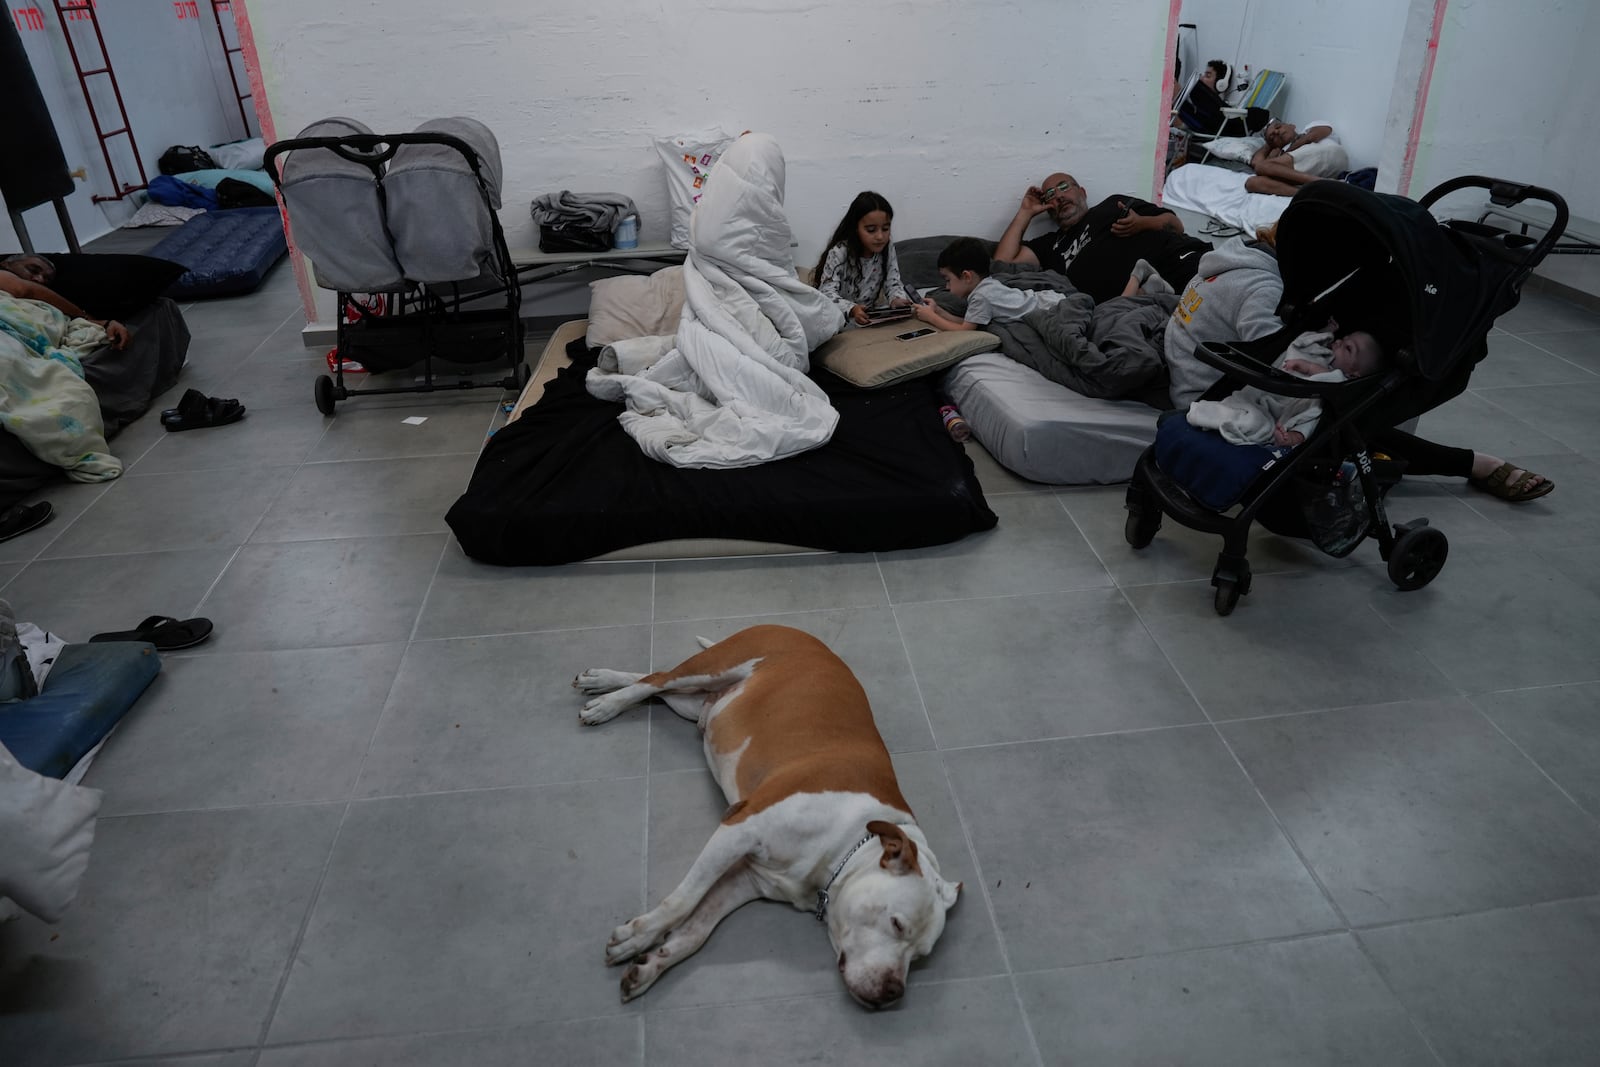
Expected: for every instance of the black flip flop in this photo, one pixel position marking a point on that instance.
(196, 411)
(163, 631)
(20, 518)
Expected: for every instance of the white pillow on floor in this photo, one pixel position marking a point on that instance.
(46, 828)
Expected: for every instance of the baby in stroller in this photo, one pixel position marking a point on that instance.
(1254, 416)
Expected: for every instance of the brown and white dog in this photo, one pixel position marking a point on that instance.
(815, 815)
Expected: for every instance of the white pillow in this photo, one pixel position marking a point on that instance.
(635, 306)
(1236, 149)
(46, 828)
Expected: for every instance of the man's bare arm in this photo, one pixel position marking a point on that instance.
(23, 289)
(1011, 249)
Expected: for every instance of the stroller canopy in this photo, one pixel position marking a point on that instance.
(1418, 285)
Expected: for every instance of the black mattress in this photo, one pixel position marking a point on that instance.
(565, 483)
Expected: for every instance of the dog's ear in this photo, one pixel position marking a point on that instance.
(899, 851)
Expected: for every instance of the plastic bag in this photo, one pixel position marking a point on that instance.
(688, 159)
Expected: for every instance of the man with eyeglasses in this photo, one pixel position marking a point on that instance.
(1096, 248)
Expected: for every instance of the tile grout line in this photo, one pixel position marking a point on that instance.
(315, 896)
(650, 716)
(989, 911)
(961, 819)
(1348, 930)
(1495, 726)
(1316, 878)
(649, 751)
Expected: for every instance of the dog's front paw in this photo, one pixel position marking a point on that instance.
(630, 940)
(637, 979)
(600, 680)
(602, 709)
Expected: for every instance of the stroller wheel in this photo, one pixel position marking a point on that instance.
(1141, 527)
(1231, 579)
(324, 394)
(1418, 557)
(1227, 597)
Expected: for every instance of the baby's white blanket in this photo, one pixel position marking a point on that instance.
(730, 388)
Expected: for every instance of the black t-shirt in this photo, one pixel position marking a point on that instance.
(1099, 264)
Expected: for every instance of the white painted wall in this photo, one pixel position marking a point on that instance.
(1510, 98)
(949, 110)
(169, 65)
(1340, 56)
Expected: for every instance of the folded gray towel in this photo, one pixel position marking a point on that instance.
(596, 211)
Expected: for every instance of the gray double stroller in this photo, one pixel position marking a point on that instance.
(403, 227)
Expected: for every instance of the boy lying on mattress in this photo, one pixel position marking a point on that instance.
(44, 401)
(1110, 350)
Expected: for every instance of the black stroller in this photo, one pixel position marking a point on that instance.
(408, 222)
(1432, 287)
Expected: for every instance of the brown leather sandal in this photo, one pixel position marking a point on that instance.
(1499, 485)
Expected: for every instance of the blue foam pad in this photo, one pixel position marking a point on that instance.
(226, 251)
(88, 691)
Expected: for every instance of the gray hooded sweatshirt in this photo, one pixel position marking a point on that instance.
(1233, 297)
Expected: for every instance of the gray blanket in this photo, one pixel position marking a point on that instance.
(1111, 351)
(590, 211)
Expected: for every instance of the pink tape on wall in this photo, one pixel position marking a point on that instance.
(1414, 135)
(1164, 105)
(269, 133)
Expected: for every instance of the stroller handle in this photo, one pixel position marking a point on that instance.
(371, 150)
(1506, 193)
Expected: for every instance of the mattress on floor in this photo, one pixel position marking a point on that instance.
(225, 251)
(1045, 431)
(550, 360)
(565, 483)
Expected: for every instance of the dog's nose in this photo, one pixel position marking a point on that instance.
(892, 990)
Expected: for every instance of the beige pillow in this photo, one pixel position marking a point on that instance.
(875, 356)
(635, 305)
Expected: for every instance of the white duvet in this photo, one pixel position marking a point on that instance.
(729, 389)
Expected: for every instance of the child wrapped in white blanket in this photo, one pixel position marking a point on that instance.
(1252, 416)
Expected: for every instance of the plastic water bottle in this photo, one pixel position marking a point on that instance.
(627, 235)
(954, 424)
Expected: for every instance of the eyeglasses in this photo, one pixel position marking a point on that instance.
(1050, 194)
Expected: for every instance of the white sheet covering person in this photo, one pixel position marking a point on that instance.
(730, 388)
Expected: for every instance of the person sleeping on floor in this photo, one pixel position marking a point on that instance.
(44, 400)
(27, 277)
(1290, 159)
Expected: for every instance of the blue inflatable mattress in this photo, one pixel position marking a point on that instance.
(226, 251)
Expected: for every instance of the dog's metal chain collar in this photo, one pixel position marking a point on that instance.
(821, 911)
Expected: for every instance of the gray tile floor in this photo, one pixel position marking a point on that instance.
(363, 826)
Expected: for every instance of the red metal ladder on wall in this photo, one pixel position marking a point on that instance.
(228, 52)
(81, 11)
